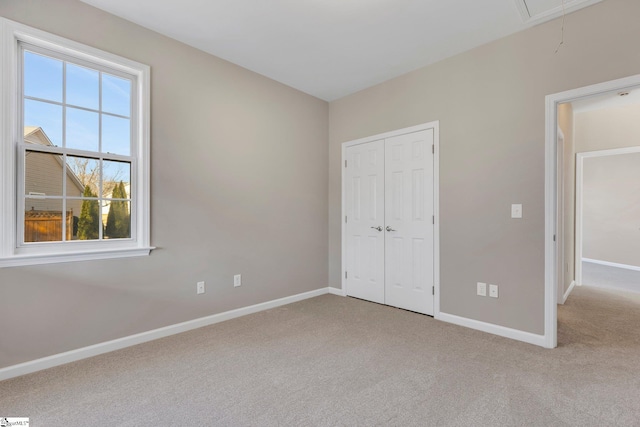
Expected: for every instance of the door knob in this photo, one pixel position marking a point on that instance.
(390, 229)
(379, 228)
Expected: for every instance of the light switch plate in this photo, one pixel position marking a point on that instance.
(516, 211)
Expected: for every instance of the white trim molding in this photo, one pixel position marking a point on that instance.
(551, 185)
(560, 240)
(131, 340)
(337, 291)
(16, 261)
(491, 328)
(566, 294)
(567, 6)
(612, 264)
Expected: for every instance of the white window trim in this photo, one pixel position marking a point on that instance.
(10, 254)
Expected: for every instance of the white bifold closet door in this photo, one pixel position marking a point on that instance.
(389, 224)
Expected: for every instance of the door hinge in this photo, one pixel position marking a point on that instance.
(345, 275)
(433, 149)
(345, 163)
(554, 237)
(433, 219)
(433, 290)
(345, 219)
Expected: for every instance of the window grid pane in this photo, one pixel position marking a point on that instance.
(43, 220)
(91, 198)
(43, 76)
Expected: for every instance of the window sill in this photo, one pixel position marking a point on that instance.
(22, 260)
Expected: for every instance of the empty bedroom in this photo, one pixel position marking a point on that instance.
(339, 212)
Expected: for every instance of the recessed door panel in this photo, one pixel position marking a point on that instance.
(394, 255)
(374, 211)
(357, 198)
(418, 272)
(417, 197)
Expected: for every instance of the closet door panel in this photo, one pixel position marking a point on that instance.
(409, 230)
(364, 202)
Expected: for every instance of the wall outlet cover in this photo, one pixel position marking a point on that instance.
(481, 289)
(493, 291)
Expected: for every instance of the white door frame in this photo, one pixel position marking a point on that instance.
(560, 243)
(436, 197)
(550, 189)
(580, 193)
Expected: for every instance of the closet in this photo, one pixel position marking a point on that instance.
(389, 219)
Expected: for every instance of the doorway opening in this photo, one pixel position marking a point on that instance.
(608, 214)
(563, 253)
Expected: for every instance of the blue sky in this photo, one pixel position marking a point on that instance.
(43, 79)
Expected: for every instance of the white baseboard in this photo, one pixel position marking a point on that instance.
(337, 291)
(117, 344)
(502, 331)
(611, 264)
(120, 343)
(566, 294)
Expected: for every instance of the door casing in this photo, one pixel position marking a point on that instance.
(560, 243)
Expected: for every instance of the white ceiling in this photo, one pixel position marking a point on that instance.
(331, 48)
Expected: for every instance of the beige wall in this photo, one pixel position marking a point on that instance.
(239, 185)
(565, 122)
(608, 128)
(611, 209)
(491, 105)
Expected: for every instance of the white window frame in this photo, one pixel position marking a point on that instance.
(12, 252)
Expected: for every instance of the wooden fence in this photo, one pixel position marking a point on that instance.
(46, 226)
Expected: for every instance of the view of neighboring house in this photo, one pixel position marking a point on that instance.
(43, 215)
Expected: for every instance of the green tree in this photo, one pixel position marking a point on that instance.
(89, 216)
(118, 221)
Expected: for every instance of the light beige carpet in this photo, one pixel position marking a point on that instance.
(341, 361)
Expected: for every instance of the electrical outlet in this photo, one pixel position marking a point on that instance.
(200, 288)
(482, 289)
(493, 291)
(237, 280)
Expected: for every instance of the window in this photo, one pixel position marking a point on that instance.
(75, 175)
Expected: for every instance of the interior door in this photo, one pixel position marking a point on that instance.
(364, 202)
(409, 229)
